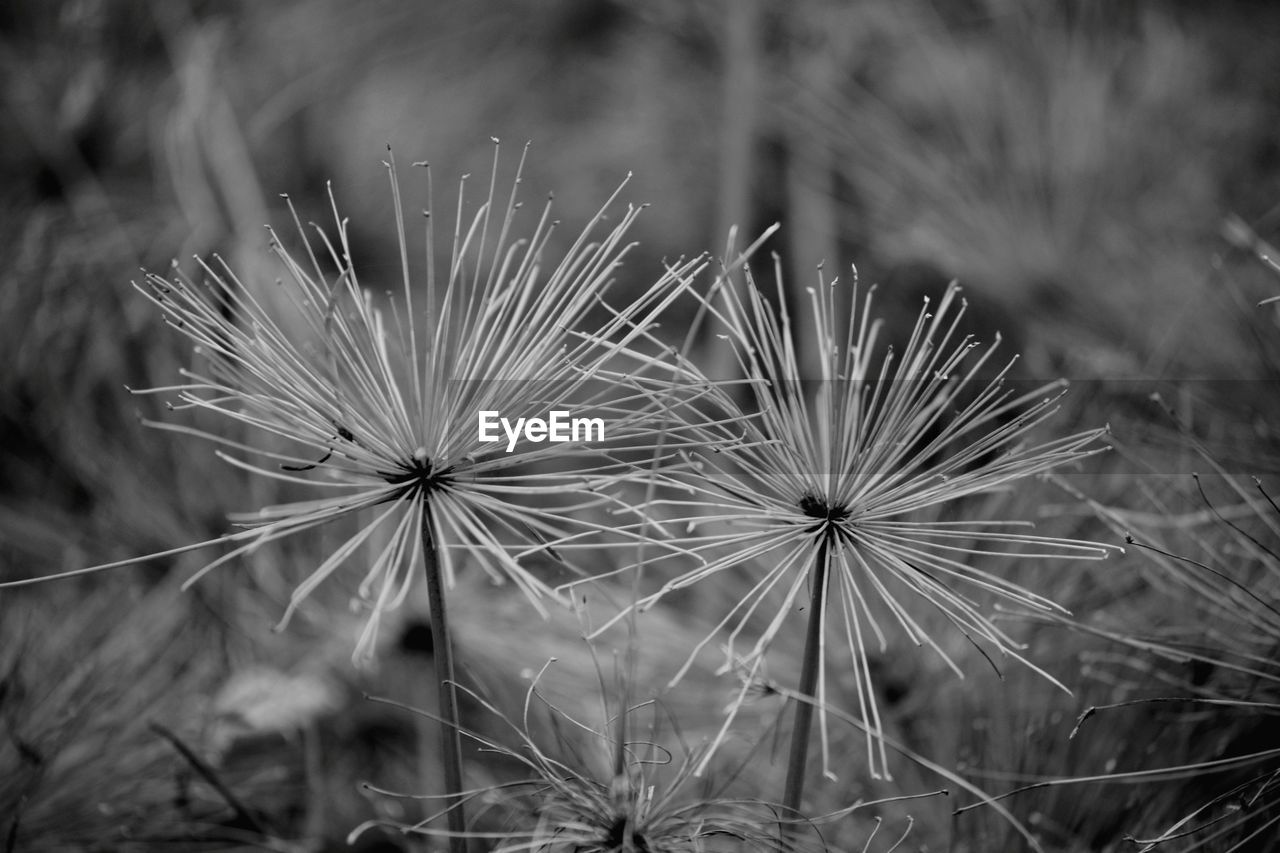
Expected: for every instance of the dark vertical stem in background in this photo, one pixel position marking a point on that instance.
(794, 789)
(743, 81)
(207, 773)
(447, 695)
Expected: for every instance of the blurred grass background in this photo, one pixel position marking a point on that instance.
(1099, 175)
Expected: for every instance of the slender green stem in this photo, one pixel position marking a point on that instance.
(794, 789)
(447, 694)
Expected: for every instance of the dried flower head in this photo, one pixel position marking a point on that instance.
(608, 788)
(379, 414)
(823, 483)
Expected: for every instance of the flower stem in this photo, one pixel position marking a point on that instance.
(794, 789)
(446, 693)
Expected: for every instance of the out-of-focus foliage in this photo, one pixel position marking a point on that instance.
(1072, 163)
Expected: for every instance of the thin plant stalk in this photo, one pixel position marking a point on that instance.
(809, 669)
(732, 262)
(446, 692)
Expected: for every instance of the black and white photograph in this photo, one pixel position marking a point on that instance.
(639, 426)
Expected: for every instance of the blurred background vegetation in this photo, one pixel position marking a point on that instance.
(1100, 176)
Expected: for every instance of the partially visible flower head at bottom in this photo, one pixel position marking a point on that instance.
(842, 493)
(575, 799)
(378, 414)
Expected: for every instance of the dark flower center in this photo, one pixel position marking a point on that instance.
(417, 472)
(617, 836)
(818, 508)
